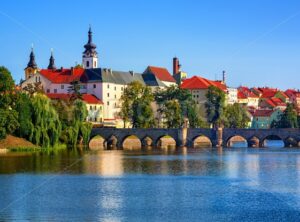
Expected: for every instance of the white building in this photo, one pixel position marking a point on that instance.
(232, 95)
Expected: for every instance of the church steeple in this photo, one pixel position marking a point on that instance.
(32, 67)
(90, 55)
(32, 63)
(51, 61)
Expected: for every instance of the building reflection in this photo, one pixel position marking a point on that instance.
(104, 163)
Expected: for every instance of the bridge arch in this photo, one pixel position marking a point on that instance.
(236, 139)
(131, 142)
(201, 141)
(165, 142)
(97, 143)
(270, 140)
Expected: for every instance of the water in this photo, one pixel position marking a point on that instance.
(237, 184)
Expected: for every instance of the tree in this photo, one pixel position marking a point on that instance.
(172, 113)
(7, 86)
(46, 124)
(24, 107)
(74, 90)
(136, 105)
(288, 119)
(8, 122)
(236, 116)
(187, 106)
(215, 105)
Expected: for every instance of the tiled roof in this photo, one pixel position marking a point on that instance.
(88, 98)
(247, 92)
(241, 95)
(197, 82)
(161, 73)
(263, 113)
(62, 75)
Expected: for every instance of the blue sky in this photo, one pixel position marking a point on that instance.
(256, 41)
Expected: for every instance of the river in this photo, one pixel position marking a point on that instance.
(236, 184)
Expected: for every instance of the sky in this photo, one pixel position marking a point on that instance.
(257, 42)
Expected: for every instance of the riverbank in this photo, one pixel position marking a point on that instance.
(16, 143)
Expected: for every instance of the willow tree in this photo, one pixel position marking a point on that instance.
(46, 127)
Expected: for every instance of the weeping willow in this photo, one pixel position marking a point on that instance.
(46, 126)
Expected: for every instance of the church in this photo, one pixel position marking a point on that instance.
(101, 87)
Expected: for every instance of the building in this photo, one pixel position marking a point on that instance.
(232, 95)
(272, 104)
(262, 119)
(198, 87)
(105, 84)
(247, 97)
(178, 75)
(294, 98)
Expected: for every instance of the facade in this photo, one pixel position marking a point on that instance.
(247, 97)
(262, 119)
(232, 95)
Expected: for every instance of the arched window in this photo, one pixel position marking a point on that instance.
(87, 63)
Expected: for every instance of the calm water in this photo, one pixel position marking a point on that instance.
(237, 184)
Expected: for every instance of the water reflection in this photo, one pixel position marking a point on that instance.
(226, 184)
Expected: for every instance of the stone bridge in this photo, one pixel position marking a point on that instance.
(114, 138)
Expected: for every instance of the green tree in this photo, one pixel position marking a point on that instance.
(74, 89)
(7, 87)
(24, 107)
(215, 105)
(236, 116)
(172, 113)
(47, 126)
(8, 122)
(288, 119)
(136, 105)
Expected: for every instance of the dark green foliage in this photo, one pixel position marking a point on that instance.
(7, 86)
(180, 100)
(288, 119)
(136, 105)
(236, 116)
(215, 105)
(8, 122)
(23, 106)
(74, 89)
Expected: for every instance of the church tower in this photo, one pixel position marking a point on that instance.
(31, 68)
(90, 55)
(51, 62)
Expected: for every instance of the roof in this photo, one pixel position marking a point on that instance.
(151, 80)
(88, 98)
(247, 92)
(197, 82)
(62, 75)
(263, 113)
(161, 73)
(241, 95)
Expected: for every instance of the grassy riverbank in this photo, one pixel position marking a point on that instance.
(16, 144)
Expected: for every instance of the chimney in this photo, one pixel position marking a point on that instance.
(224, 76)
(132, 73)
(72, 70)
(176, 65)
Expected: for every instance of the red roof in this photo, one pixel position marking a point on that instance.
(62, 75)
(161, 73)
(247, 92)
(88, 98)
(262, 113)
(241, 95)
(197, 82)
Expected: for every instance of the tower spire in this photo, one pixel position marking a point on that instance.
(51, 61)
(31, 63)
(90, 55)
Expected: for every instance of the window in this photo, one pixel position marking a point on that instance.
(91, 107)
(108, 86)
(115, 96)
(121, 88)
(36, 79)
(108, 103)
(107, 94)
(95, 119)
(94, 86)
(87, 63)
(115, 105)
(95, 64)
(95, 107)
(39, 79)
(62, 86)
(115, 88)
(48, 90)
(55, 90)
